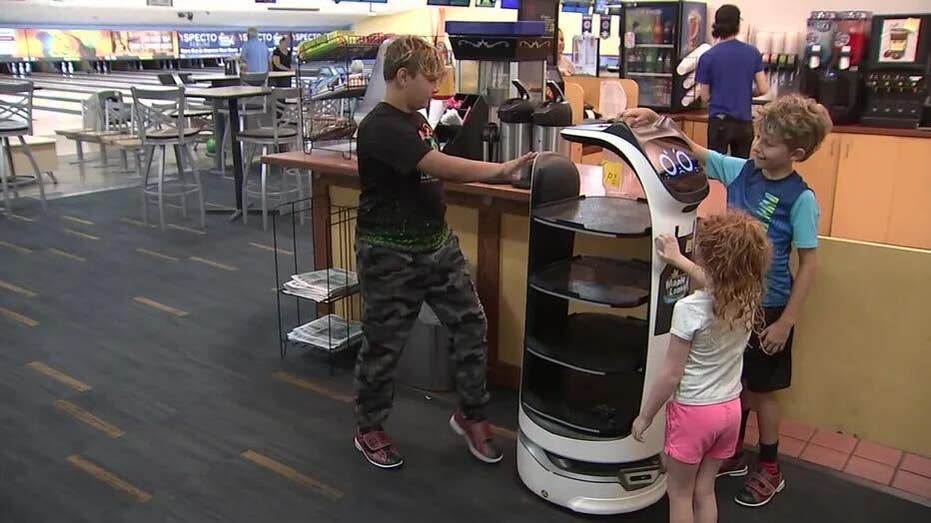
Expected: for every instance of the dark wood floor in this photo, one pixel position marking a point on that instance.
(141, 382)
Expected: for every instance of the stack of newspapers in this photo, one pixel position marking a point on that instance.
(323, 285)
(331, 333)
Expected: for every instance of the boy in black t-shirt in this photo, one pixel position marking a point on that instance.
(407, 254)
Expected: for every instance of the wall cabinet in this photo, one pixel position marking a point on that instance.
(883, 190)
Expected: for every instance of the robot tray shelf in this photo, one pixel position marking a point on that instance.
(603, 281)
(603, 215)
(598, 344)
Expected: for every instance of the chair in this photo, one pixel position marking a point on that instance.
(286, 129)
(160, 121)
(125, 139)
(16, 120)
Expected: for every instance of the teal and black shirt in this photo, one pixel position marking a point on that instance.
(400, 207)
(787, 208)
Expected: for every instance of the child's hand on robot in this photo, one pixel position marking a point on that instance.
(512, 170)
(641, 424)
(638, 117)
(667, 247)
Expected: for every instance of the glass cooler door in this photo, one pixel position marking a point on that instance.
(649, 46)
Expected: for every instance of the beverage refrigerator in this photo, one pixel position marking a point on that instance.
(655, 37)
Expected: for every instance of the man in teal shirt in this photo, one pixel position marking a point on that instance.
(254, 53)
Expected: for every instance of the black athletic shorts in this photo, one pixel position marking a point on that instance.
(764, 372)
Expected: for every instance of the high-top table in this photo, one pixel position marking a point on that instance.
(232, 95)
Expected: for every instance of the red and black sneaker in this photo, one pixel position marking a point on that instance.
(378, 448)
(761, 487)
(478, 436)
(734, 467)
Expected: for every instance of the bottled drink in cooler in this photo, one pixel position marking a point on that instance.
(650, 61)
(658, 30)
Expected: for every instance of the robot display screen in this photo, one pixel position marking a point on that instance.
(679, 170)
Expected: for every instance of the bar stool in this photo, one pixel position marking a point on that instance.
(286, 129)
(160, 122)
(16, 120)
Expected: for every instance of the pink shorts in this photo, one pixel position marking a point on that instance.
(696, 431)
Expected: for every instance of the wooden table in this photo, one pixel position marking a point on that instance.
(231, 95)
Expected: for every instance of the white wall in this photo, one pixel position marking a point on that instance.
(790, 15)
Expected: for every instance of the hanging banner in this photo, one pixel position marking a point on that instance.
(78, 44)
(587, 24)
(208, 44)
(271, 39)
(144, 44)
(605, 26)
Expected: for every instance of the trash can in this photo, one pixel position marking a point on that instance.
(426, 362)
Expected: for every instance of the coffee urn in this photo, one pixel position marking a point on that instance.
(549, 120)
(515, 117)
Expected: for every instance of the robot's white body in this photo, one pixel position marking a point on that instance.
(575, 472)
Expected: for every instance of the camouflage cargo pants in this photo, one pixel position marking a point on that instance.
(394, 285)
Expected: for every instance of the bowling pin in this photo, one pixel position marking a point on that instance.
(21, 69)
(28, 67)
(70, 67)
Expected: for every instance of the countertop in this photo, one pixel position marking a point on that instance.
(702, 116)
(334, 163)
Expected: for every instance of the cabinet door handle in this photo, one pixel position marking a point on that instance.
(847, 151)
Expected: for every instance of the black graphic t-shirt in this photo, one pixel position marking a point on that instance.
(400, 207)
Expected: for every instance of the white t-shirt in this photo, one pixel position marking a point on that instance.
(712, 372)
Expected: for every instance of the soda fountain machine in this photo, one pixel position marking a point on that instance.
(832, 76)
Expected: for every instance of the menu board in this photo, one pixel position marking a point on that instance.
(144, 44)
(77, 44)
(207, 44)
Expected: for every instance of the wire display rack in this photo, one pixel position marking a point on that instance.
(326, 278)
(329, 108)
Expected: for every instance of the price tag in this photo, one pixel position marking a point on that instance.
(605, 26)
(612, 176)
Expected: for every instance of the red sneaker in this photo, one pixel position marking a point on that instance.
(734, 467)
(378, 449)
(761, 487)
(478, 436)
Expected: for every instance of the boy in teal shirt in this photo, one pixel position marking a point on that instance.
(789, 129)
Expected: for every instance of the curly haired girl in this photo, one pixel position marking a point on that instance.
(710, 329)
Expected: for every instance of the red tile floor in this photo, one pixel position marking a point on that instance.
(876, 463)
